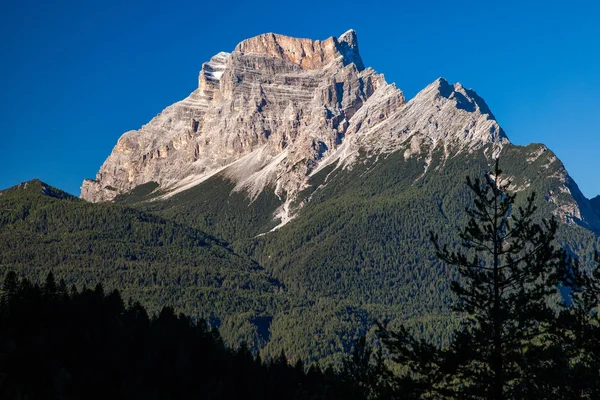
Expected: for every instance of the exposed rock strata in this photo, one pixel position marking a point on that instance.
(278, 108)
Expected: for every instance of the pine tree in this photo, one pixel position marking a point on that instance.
(50, 287)
(509, 272)
(9, 287)
(510, 269)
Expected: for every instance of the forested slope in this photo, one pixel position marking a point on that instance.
(359, 249)
(150, 259)
(357, 252)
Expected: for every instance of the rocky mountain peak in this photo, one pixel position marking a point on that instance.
(442, 117)
(273, 107)
(453, 112)
(278, 109)
(465, 99)
(307, 53)
(348, 45)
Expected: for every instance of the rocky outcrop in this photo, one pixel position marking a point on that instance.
(442, 116)
(272, 107)
(277, 109)
(307, 53)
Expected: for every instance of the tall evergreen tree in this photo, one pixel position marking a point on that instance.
(9, 288)
(510, 270)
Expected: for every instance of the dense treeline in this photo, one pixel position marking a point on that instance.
(365, 235)
(61, 343)
(148, 258)
(216, 207)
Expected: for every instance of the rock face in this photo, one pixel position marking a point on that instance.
(277, 109)
(307, 53)
(273, 107)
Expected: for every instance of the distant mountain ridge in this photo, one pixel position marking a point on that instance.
(36, 187)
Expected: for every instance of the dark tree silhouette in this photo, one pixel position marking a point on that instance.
(56, 344)
(578, 328)
(367, 375)
(510, 270)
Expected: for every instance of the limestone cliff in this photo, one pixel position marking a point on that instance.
(277, 109)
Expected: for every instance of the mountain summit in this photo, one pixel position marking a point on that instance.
(277, 109)
(272, 107)
(307, 53)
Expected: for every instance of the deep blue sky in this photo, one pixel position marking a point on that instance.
(75, 75)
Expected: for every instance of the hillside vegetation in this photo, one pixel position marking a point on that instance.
(358, 251)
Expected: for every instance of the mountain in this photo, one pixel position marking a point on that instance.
(270, 116)
(317, 182)
(277, 110)
(263, 114)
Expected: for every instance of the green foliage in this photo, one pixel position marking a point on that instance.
(578, 333)
(510, 269)
(368, 375)
(150, 259)
(138, 194)
(357, 252)
(56, 344)
(215, 206)
(512, 342)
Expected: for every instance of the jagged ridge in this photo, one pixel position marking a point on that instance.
(278, 109)
(272, 104)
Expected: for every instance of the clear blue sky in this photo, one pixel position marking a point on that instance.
(77, 74)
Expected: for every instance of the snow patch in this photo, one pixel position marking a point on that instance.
(213, 69)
